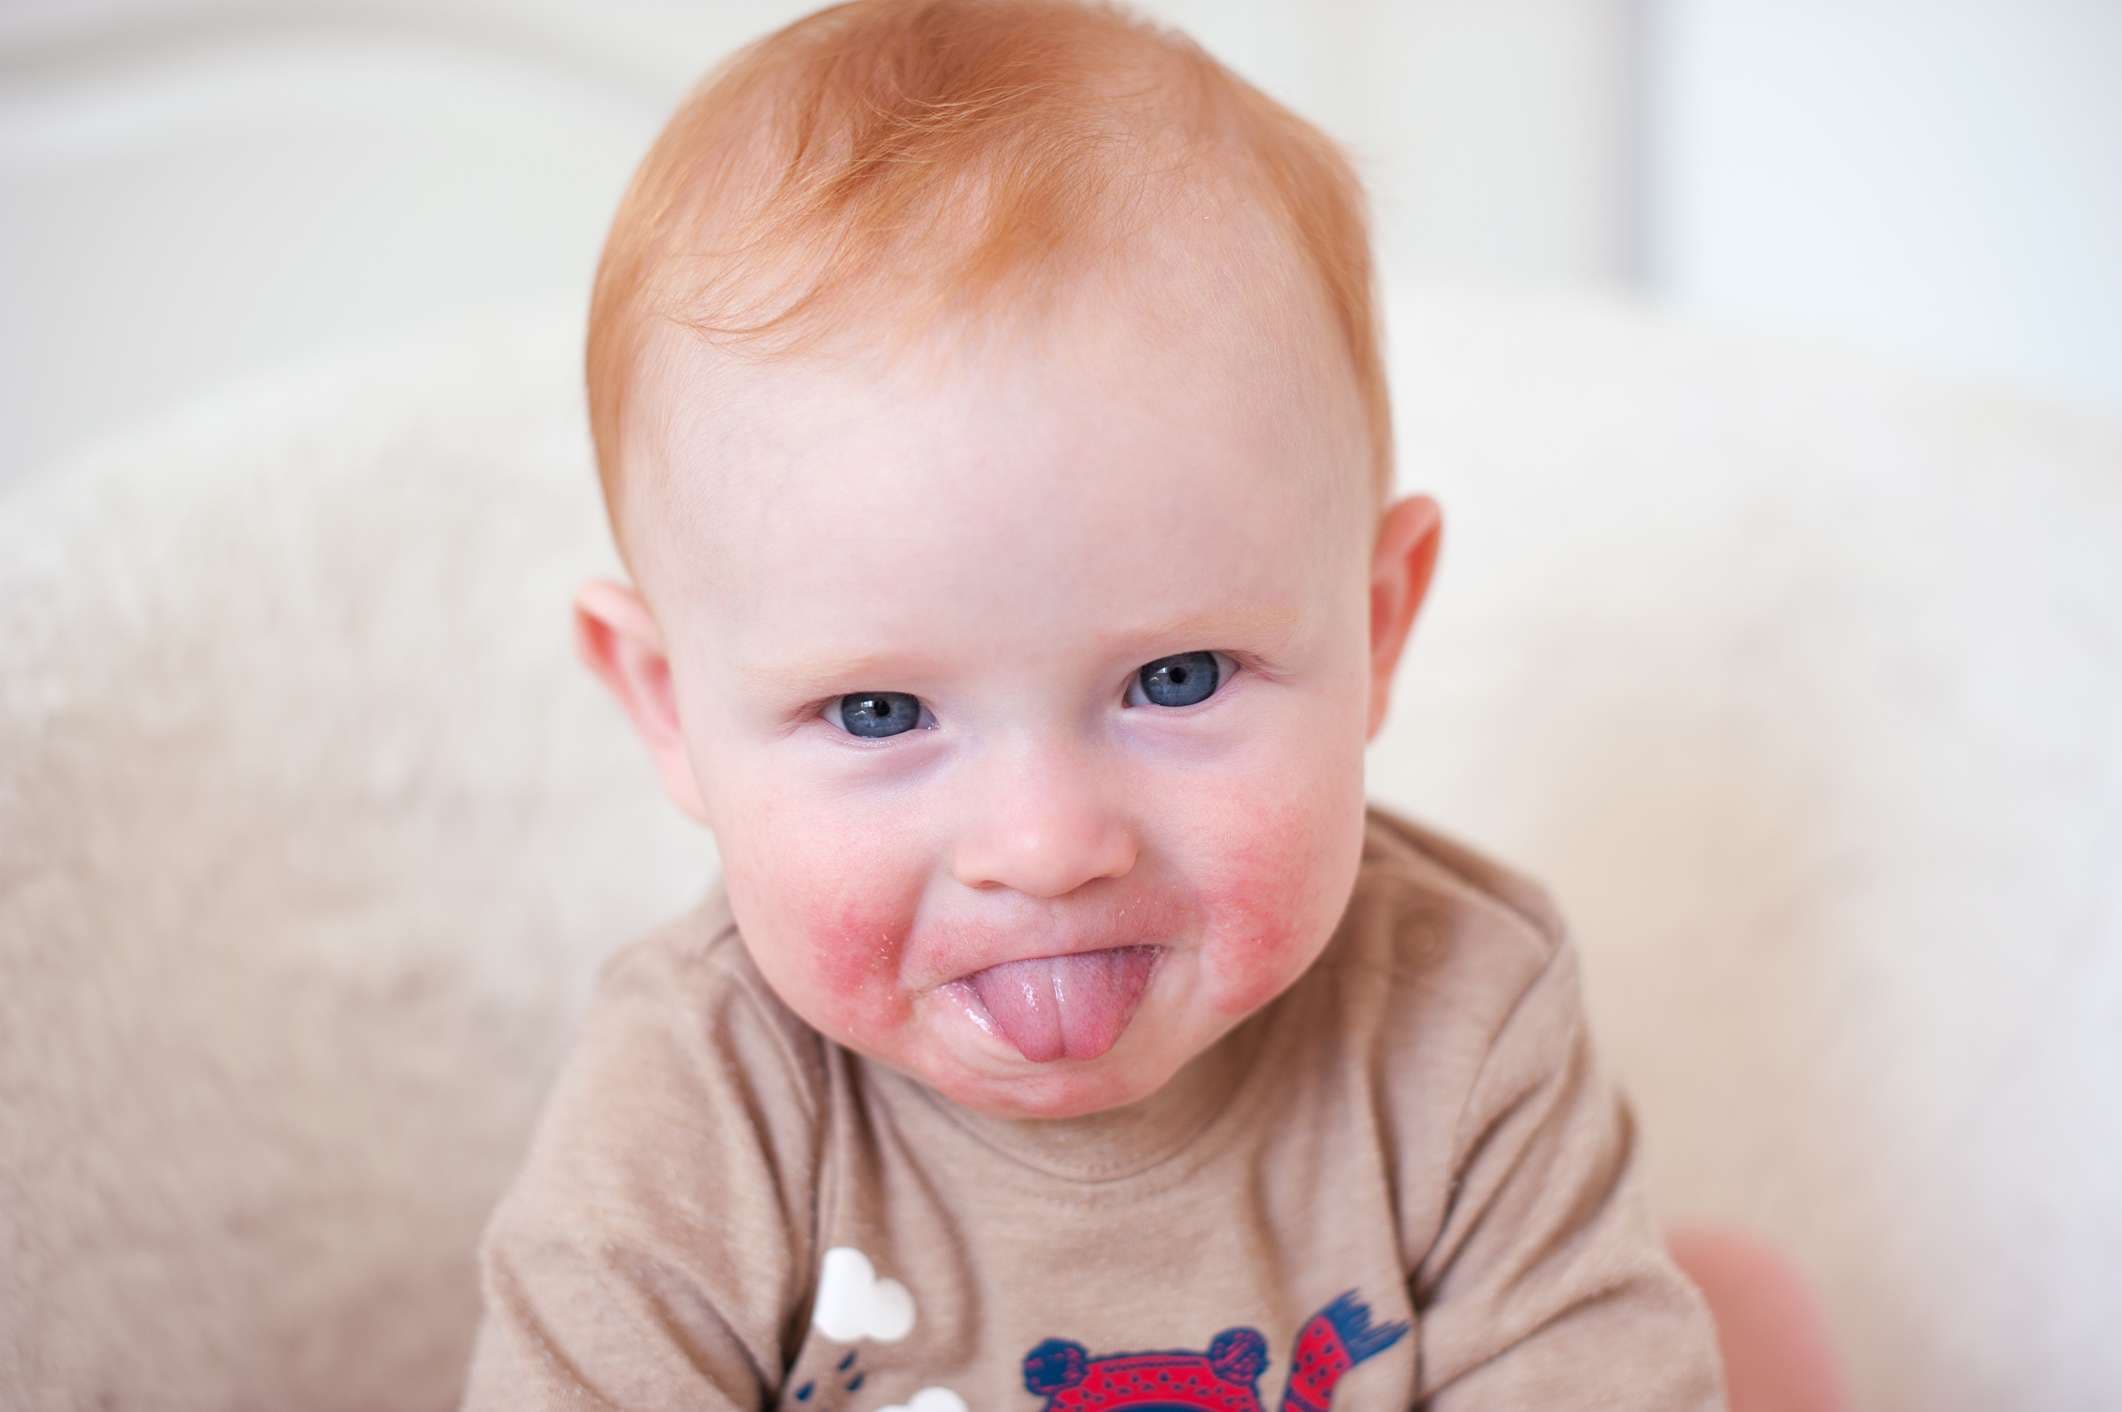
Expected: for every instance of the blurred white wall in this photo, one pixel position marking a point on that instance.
(192, 189)
(1940, 182)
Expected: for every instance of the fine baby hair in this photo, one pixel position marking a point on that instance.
(875, 166)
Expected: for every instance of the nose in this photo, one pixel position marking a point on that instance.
(1043, 828)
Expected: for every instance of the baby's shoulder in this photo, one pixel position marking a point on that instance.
(1440, 939)
(680, 1141)
(688, 989)
(685, 1082)
(683, 1056)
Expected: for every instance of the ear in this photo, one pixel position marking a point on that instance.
(619, 641)
(1409, 535)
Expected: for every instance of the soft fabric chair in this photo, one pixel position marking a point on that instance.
(1798, 679)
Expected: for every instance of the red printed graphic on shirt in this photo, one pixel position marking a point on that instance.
(1224, 1379)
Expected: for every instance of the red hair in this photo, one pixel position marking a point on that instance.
(957, 150)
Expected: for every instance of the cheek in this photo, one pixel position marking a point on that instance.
(834, 922)
(853, 939)
(1282, 887)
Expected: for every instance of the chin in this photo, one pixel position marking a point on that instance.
(1092, 1087)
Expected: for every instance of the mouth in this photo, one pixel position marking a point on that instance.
(1051, 1008)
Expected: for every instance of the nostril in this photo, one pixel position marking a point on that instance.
(1046, 862)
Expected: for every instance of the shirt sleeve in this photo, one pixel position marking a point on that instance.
(1548, 1285)
(653, 1250)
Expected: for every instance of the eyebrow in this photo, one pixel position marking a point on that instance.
(1270, 624)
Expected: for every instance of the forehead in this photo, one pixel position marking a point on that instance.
(1183, 438)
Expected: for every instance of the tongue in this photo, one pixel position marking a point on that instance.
(1073, 1007)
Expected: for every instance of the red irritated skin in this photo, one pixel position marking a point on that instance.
(1228, 937)
(914, 659)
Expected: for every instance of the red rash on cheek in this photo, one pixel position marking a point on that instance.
(1266, 906)
(851, 952)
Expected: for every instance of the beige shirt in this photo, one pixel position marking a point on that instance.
(1403, 1183)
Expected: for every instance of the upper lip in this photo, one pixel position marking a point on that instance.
(1069, 946)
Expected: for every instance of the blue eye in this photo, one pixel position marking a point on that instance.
(1183, 680)
(877, 714)
(1186, 679)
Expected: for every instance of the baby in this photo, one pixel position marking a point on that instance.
(990, 411)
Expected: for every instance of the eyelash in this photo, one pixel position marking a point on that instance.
(1241, 664)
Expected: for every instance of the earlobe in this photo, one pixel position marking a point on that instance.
(1409, 537)
(618, 640)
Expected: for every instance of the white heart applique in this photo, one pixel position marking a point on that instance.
(853, 1303)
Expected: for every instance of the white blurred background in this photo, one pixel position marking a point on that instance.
(194, 189)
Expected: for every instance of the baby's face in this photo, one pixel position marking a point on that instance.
(1027, 693)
